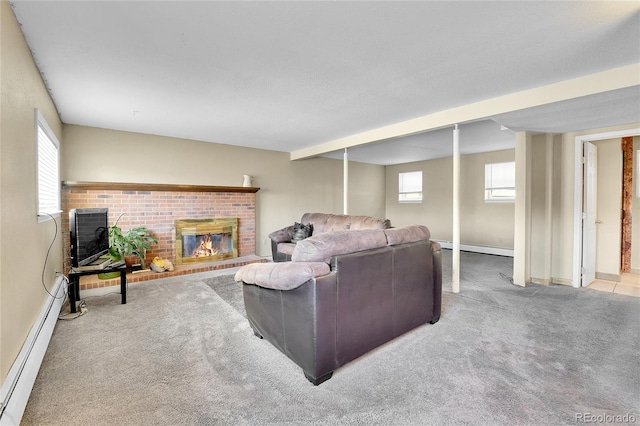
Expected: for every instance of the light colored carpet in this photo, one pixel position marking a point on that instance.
(180, 352)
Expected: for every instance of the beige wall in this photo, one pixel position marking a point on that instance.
(287, 189)
(540, 252)
(486, 224)
(481, 223)
(23, 241)
(538, 213)
(435, 211)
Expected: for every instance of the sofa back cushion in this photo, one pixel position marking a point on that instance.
(337, 222)
(318, 220)
(322, 247)
(325, 222)
(407, 234)
(366, 222)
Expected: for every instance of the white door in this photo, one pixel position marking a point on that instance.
(589, 214)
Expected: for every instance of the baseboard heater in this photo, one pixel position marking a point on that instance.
(478, 249)
(17, 387)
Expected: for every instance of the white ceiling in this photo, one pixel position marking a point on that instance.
(291, 75)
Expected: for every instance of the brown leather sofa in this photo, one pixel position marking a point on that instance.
(281, 240)
(343, 294)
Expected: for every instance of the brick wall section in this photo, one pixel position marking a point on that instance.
(158, 211)
(627, 196)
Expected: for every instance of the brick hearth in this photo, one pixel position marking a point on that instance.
(158, 207)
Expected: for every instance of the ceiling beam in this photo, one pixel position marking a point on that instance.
(613, 79)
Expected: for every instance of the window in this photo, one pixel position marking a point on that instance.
(410, 187)
(500, 182)
(47, 152)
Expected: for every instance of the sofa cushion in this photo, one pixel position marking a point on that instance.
(337, 222)
(318, 220)
(281, 276)
(326, 222)
(322, 247)
(366, 222)
(407, 234)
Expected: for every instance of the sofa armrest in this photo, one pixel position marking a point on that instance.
(281, 276)
(283, 235)
(300, 322)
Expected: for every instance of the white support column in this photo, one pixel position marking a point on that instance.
(345, 183)
(455, 275)
(522, 219)
(548, 206)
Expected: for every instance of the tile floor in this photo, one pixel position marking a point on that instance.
(629, 285)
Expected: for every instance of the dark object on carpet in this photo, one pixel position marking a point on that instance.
(229, 290)
(506, 278)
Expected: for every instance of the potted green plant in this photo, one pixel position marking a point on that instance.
(133, 242)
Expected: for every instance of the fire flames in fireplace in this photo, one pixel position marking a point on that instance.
(205, 248)
(209, 245)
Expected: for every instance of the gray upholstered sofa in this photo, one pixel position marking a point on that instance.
(282, 245)
(343, 294)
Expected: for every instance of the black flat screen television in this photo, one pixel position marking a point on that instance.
(89, 229)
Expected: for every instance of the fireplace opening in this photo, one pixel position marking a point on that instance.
(206, 240)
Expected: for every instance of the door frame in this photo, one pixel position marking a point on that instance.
(576, 280)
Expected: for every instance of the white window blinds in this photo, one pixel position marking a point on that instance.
(500, 182)
(48, 168)
(410, 187)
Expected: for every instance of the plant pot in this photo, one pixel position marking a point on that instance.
(108, 275)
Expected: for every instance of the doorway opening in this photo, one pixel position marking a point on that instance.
(578, 248)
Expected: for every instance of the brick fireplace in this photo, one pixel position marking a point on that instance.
(159, 208)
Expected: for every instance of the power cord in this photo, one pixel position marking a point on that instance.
(82, 309)
(46, 259)
(507, 278)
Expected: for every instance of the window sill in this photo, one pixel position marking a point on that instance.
(43, 217)
(500, 201)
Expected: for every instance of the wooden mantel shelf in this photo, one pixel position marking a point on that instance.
(122, 186)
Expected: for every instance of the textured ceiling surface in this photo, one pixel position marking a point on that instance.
(291, 75)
